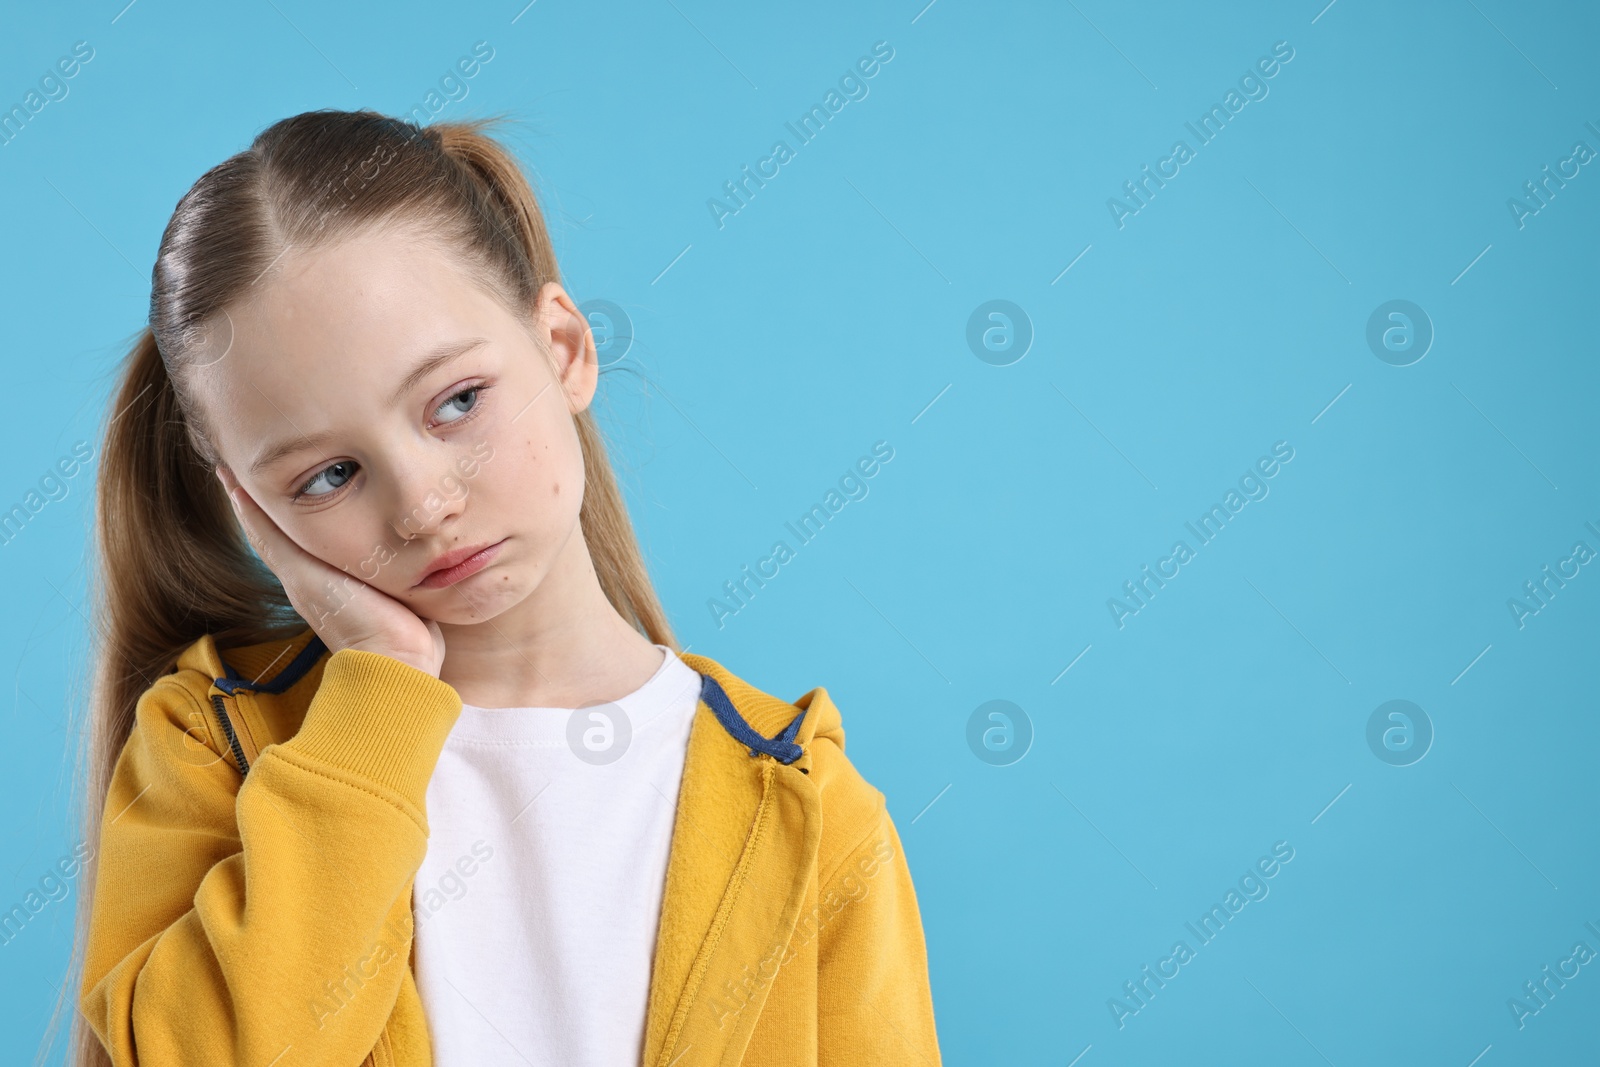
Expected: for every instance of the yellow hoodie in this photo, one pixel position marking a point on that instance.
(253, 900)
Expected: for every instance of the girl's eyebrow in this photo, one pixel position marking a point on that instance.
(438, 356)
(431, 360)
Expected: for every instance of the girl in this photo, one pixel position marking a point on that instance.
(424, 779)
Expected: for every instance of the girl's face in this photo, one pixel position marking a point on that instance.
(385, 410)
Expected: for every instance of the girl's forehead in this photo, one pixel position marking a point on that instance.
(358, 307)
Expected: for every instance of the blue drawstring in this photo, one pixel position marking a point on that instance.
(781, 748)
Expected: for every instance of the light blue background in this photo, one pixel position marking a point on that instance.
(826, 315)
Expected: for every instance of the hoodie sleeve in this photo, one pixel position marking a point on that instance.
(235, 922)
(874, 1005)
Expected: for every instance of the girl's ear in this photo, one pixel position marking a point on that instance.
(572, 347)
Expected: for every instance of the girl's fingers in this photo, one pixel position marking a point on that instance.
(296, 569)
(246, 509)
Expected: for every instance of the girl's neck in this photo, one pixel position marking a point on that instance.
(563, 646)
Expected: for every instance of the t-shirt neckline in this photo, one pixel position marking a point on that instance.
(658, 694)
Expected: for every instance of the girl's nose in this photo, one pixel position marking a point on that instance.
(422, 502)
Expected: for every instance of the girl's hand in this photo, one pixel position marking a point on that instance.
(343, 610)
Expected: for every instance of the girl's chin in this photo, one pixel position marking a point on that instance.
(450, 607)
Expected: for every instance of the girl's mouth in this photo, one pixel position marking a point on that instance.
(454, 572)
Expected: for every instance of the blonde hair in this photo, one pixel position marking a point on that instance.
(172, 565)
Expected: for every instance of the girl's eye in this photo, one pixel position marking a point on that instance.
(458, 405)
(334, 476)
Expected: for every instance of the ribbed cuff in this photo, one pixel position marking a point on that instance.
(379, 718)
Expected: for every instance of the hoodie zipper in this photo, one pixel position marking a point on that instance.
(233, 738)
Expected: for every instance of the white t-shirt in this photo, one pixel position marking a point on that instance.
(538, 901)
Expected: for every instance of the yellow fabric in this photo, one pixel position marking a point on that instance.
(266, 918)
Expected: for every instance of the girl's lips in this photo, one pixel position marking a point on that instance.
(466, 568)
